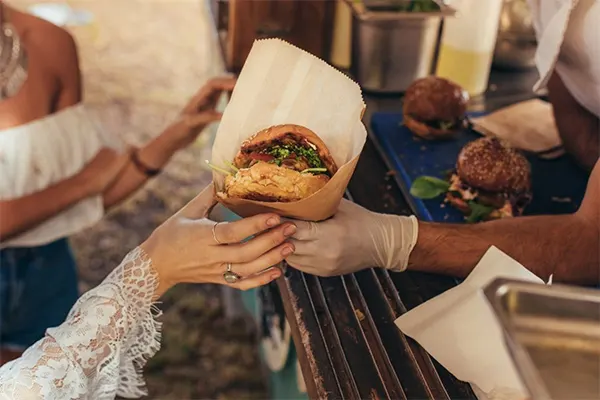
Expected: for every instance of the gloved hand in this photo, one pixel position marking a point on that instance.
(353, 239)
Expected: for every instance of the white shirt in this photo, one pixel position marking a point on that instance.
(568, 34)
(38, 154)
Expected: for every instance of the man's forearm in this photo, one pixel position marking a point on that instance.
(564, 245)
(579, 129)
(24, 213)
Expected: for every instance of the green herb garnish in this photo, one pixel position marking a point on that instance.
(428, 187)
(479, 212)
(218, 169)
(284, 151)
(445, 125)
(314, 170)
(230, 165)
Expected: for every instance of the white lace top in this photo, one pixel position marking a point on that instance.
(98, 352)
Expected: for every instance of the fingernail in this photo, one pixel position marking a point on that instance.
(289, 230)
(275, 275)
(272, 221)
(287, 251)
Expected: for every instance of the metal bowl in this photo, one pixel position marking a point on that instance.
(516, 43)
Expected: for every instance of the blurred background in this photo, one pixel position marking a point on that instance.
(141, 60)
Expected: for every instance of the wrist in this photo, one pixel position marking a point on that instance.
(149, 246)
(157, 153)
(398, 239)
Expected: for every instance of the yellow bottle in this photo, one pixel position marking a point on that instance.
(468, 42)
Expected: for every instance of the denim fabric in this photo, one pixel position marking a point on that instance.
(38, 287)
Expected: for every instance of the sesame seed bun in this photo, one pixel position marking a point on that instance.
(492, 165)
(268, 182)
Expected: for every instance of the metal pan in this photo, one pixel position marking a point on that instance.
(553, 336)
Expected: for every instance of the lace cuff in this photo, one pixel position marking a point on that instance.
(98, 352)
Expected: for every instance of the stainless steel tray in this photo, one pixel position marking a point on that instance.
(553, 335)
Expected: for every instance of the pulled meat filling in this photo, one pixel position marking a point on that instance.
(506, 205)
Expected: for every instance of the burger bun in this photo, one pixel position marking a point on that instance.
(434, 99)
(493, 165)
(271, 183)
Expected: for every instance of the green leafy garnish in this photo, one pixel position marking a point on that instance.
(230, 165)
(479, 212)
(214, 167)
(445, 125)
(428, 187)
(284, 151)
(314, 170)
(424, 6)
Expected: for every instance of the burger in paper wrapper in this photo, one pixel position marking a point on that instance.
(290, 137)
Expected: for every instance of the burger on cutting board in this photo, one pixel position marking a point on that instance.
(435, 108)
(491, 181)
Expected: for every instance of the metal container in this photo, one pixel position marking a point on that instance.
(392, 49)
(516, 44)
(553, 336)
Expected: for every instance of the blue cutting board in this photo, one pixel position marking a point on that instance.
(558, 185)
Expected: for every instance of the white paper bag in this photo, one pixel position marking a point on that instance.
(282, 84)
(459, 329)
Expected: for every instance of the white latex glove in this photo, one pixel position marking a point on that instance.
(353, 239)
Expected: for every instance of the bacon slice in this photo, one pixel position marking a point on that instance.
(261, 157)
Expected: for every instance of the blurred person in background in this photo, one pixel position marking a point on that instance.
(99, 350)
(52, 183)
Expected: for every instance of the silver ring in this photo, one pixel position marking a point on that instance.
(214, 232)
(230, 276)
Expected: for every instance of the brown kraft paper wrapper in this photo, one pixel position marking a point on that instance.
(282, 84)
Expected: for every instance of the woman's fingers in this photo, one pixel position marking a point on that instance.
(211, 89)
(235, 232)
(195, 121)
(261, 263)
(258, 280)
(306, 230)
(260, 244)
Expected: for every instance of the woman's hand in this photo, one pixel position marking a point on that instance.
(198, 113)
(102, 171)
(183, 249)
(195, 116)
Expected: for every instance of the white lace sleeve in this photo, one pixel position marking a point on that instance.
(98, 352)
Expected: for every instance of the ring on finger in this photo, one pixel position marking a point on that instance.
(214, 233)
(229, 276)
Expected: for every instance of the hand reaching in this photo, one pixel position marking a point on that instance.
(199, 112)
(184, 249)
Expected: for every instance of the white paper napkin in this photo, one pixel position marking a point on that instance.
(459, 329)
